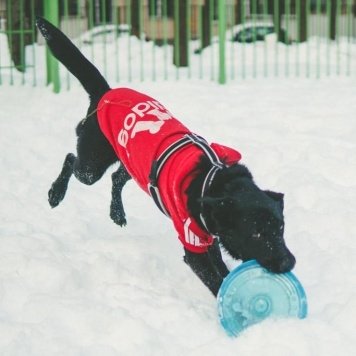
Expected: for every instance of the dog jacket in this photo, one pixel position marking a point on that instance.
(139, 128)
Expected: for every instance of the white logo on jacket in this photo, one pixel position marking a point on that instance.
(189, 235)
(132, 126)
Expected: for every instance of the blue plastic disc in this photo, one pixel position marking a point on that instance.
(250, 294)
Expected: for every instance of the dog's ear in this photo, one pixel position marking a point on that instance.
(278, 197)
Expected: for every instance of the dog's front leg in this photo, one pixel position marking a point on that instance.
(119, 179)
(208, 266)
(60, 185)
(216, 258)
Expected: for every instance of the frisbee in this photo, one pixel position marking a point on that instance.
(251, 294)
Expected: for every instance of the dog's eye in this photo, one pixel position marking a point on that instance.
(257, 236)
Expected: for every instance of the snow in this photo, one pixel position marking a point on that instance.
(74, 283)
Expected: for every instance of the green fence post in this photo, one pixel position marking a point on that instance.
(222, 41)
(51, 12)
(332, 19)
(181, 33)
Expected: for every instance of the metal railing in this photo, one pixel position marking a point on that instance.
(220, 40)
(16, 33)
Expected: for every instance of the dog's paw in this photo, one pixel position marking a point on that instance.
(118, 218)
(117, 212)
(56, 195)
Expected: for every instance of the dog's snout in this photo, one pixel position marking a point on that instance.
(283, 264)
(287, 264)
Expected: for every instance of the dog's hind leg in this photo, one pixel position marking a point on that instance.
(71, 165)
(84, 170)
(60, 185)
(119, 179)
(88, 167)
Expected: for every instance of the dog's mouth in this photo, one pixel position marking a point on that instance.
(279, 265)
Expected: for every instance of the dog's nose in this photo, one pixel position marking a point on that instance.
(282, 264)
(287, 264)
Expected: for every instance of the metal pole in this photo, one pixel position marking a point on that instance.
(51, 11)
(222, 41)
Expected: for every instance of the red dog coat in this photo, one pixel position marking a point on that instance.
(139, 129)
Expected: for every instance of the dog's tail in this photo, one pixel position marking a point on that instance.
(70, 56)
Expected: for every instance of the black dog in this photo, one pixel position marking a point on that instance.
(220, 198)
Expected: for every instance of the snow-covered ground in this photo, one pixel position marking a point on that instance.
(74, 283)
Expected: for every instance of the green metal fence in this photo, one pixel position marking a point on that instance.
(16, 24)
(219, 40)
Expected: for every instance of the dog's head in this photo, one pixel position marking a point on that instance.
(249, 223)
